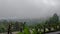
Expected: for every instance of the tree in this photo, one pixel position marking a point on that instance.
(16, 26)
(55, 18)
(24, 25)
(10, 28)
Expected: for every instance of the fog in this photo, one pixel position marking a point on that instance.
(28, 8)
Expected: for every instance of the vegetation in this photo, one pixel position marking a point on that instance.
(52, 24)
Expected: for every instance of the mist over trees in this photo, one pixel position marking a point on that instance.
(52, 22)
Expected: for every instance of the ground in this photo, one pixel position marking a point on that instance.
(58, 32)
(12, 33)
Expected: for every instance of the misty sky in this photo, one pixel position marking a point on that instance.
(28, 8)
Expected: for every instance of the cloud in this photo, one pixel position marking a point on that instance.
(28, 8)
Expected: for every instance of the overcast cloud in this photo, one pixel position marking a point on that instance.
(28, 8)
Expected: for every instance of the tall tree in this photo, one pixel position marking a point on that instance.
(10, 28)
(55, 18)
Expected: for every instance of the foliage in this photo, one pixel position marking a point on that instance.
(52, 22)
(26, 30)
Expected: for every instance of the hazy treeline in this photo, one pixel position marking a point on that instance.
(5, 24)
(52, 24)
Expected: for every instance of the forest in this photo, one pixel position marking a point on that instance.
(49, 25)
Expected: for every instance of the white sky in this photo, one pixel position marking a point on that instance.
(28, 8)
